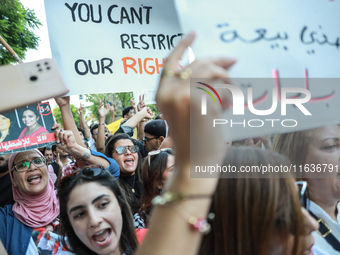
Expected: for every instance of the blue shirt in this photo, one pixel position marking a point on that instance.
(113, 168)
(14, 235)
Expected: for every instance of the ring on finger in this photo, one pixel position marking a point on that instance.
(167, 73)
(185, 74)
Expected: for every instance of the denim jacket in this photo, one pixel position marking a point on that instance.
(14, 235)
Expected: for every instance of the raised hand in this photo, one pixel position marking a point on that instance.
(141, 104)
(80, 110)
(111, 108)
(62, 101)
(103, 111)
(182, 108)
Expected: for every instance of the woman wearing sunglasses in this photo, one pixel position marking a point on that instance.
(316, 152)
(157, 168)
(94, 214)
(125, 151)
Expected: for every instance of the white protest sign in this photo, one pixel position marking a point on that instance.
(111, 46)
(289, 36)
(272, 40)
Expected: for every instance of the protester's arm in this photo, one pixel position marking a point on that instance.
(138, 117)
(82, 121)
(133, 104)
(44, 244)
(67, 142)
(100, 143)
(112, 112)
(141, 124)
(60, 172)
(67, 117)
(173, 98)
(68, 121)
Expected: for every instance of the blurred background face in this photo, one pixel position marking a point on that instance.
(33, 181)
(95, 134)
(4, 123)
(49, 156)
(169, 167)
(4, 163)
(324, 148)
(130, 114)
(29, 118)
(61, 152)
(151, 142)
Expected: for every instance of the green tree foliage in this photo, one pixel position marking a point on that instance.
(16, 25)
(57, 114)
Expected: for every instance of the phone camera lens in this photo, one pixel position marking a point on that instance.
(33, 78)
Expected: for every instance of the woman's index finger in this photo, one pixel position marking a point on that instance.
(178, 51)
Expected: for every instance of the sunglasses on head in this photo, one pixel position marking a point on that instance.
(123, 149)
(154, 153)
(89, 172)
(304, 195)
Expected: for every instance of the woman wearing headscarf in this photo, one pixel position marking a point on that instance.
(35, 206)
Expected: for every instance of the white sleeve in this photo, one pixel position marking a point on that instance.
(32, 248)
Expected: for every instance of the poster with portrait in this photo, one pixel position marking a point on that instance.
(26, 128)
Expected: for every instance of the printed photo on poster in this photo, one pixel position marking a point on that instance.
(26, 128)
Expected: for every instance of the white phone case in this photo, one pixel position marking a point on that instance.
(29, 83)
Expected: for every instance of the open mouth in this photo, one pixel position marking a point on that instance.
(102, 237)
(129, 162)
(34, 179)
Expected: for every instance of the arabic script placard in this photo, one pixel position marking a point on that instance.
(26, 128)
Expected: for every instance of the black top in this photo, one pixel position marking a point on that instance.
(55, 168)
(6, 193)
(127, 184)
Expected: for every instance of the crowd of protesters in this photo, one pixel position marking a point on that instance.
(97, 192)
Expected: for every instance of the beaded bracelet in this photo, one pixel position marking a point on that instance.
(198, 224)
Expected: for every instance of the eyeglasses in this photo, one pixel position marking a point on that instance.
(148, 139)
(153, 153)
(123, 149)
(25, 165)
(89, 172)
(304, 194)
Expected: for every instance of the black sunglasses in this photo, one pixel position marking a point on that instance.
(148, 139)
(89, 172)
(304, 194)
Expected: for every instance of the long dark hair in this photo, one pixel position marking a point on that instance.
(253, 213)
(32, 108)
(109, 148)
(151, 177)
(128, 239)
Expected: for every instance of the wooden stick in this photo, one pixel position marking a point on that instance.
(10, 50)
